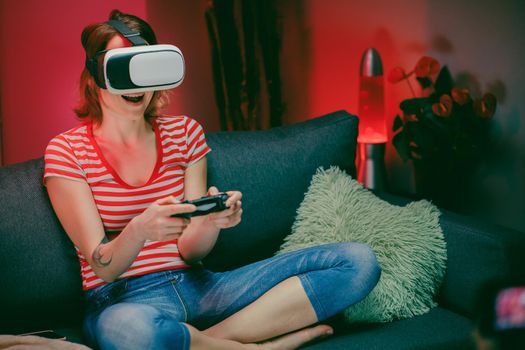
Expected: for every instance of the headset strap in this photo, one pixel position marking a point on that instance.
(132, 36)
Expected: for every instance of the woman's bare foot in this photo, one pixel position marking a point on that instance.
(201, 341)
(296, 339)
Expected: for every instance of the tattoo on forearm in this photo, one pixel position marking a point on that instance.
(98, 257)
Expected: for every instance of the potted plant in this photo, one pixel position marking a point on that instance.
(443, 130)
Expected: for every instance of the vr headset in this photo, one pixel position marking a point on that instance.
(139, 68)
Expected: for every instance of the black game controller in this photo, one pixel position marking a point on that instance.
(205, 205)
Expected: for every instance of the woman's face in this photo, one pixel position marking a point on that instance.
(130, 104)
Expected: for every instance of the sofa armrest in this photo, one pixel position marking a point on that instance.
(477, 253)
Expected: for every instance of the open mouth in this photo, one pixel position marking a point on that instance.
(133, 98)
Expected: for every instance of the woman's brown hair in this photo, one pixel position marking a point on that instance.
(95, 38)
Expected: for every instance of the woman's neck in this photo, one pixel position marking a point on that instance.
(126, 131)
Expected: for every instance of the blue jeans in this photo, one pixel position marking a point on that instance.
(147, 312)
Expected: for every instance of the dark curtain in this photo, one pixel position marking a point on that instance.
(245, 41)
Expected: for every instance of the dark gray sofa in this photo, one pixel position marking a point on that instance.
(40, 285)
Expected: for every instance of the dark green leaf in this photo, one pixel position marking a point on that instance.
(413, 105)
(423, 137)
(400, 142)
(424, 82)
(444, 82)
(398, 123)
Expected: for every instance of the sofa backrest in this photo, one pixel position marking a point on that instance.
(273, 169)
(40, 282)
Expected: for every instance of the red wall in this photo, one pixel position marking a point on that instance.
(339, 31)
(182, 23)
(41, 59)
(338, 45)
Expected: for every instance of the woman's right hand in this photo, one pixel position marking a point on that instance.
(156, 224)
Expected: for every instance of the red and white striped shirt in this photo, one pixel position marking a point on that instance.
(75, 155)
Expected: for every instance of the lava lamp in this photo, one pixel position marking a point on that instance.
(372, 135)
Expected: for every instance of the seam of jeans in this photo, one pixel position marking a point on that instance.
(186, 337)
(307, 286)
(174, 281)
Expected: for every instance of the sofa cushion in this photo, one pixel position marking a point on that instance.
(440, 329)
(407, 241)
(478, 253)
(273, 168)
(40, 273)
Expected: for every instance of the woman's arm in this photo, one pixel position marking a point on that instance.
(201, 234)
(75, 207)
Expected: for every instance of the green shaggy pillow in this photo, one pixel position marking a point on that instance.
(408, 242)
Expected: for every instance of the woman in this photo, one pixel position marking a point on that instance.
(116, 180)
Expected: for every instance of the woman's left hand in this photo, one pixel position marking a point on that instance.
(230, 217)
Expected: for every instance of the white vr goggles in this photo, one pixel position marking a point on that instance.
(139, 68)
